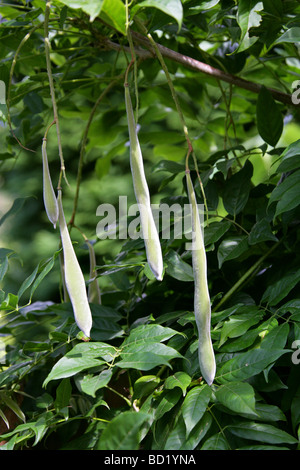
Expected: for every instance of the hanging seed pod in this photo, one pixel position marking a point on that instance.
(50, 200)
(94, 294)
(74, 279)
(150, 234)
(202, 308)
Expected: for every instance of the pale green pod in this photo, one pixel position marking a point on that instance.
(202, 307)
(74, 279)
(94, 293)
(50, 200)
(141, 190)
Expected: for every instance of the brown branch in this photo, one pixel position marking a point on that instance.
(199, 66)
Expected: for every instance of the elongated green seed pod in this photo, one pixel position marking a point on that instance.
(94, 294)
(149, 230)
(74, 279)
(202, 306)
(50, 201)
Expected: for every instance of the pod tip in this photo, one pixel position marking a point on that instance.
(83, 337)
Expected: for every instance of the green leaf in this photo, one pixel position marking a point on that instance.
(237, 189)
(276, 338)
(247, 364)
(91, 383)
(83, 356)
(177, 439)
(88, 6)
(204, 5)
(10, 403)
(36, 346)
(238, 324)
(232, 248)
(44, 271)
(102, 166)
(34, 102)
(269, 117)
(281, 288)
(63, 394)
(169, 166)
(178, 268)
(122, 433)
(172, 8)
(10, 302)
(113, 11)
(2, 415)
(8, 375)
(269, 412)
(291, 35)
(262, 433)
(215, 231)
(287, 193)
(148, 333)
(248, 17)
(238, 397)
(216, 442)
(261, 232)
(3, 267)
(146, 356)
(145, 385)
(15, 208)
(290, 158)
(179, 379)
(28, 281)
(44, 401)
(295, 408)
(194, 406)
(166, 402)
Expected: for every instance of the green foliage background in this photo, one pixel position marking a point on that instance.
(137, 384)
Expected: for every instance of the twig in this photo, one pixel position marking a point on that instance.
(209, 70)
(181, 116)
(11, 72)
(52, 92)
(83, 144)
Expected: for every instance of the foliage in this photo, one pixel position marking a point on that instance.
(136, 384)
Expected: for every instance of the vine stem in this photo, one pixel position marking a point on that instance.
(180, 113)
(207, 69)
(52, 92)
(11, 72)
(133, 59)
(243, 278)
(83, 144)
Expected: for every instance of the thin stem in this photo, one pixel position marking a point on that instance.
(244, 278)
(83, 145)
(209, 70)
(232, 221)
(181, 116)
(120, 395)
(52, 92)
(11, 72)
(133, 59)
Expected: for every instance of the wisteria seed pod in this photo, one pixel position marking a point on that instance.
(141, 190)
(74, 279)
(202, 307)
